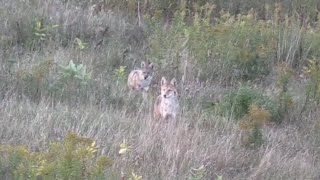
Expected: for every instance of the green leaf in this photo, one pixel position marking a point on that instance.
(55, 26)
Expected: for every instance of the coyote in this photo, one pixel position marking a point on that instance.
(140, 79)
(167, 103)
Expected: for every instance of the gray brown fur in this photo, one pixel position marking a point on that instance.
(140, 79)
(167, 103)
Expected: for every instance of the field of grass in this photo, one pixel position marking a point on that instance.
(249, 87)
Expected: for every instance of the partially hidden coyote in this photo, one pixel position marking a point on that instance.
(140, 79)
(167, 103)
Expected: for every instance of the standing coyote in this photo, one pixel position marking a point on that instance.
(167, 103)
(140, 79)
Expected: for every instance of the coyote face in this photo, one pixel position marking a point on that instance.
(140, 79)
(167, 103)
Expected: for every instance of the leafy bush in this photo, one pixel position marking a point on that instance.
(254, 139)
(75, 158)
(253, 123)
(32, 82)
(34, 34)
(80, 44)
(71, 81)
(121, 74)
(256, 117)
(74, 71)
(237, 103)
(313, 71)
(235, 43)
(41, 31)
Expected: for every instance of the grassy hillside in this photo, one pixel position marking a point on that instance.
(248, 78)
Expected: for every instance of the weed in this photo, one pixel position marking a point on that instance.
(75, 158)
(121, 74)
(124, 148)
(253, 122)
(135, 177)
(74, 71)
(313, 71)
(80, 44)
(237, 103)
(32, 82)
(198, 173)
(41, 31)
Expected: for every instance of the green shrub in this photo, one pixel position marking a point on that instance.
(270, 105)
(75, 158)
(237, 103)
(34, 34)
(234, 43)
(121, 74)
(70, 82)
(253, 122)
(312, 96)
(74, 71)
(254, 139)
(32, 82)
(313, 88)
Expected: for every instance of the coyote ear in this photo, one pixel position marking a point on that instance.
(163, 81)
(143, 64)
(173, 81)
(151, 65)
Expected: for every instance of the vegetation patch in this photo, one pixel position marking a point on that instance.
(237, 103)
(75, 158)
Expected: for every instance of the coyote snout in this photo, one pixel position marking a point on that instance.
(167, 103)
(140, 79)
